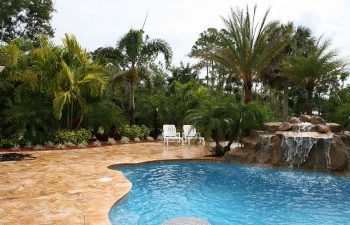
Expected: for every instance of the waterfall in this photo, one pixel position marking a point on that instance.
(265, 146)
(304, 127)
(297, 148)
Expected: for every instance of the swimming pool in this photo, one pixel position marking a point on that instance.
(231, 194)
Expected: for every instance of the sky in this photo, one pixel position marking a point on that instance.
(100, 23)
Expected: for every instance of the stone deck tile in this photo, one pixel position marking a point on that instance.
(63, 187)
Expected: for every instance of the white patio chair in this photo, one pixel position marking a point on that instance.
(169, 133)
(189, 132)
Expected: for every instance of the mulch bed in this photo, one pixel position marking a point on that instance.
(47, 148)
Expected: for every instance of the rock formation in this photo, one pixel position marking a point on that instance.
(307, 142)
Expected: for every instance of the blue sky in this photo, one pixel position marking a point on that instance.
(99, 23)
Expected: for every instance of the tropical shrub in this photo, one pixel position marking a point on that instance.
(50, 144)
(60, 146)
(111, 141)
(137, 139)
(124, 140)
(75, 137)
(96, 143)
(227, 121)
(38, 147)
(69, 144)
(7, 143)
(82, 145)
(149, 138)
(135, 131)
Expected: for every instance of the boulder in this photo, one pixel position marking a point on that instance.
(305, 118)
(250, 142)
(322, 128)
(316, 120)
(239, 155)
(294, 120)
(284, 127)
(334, 127)
(339, 154)
(272, 126)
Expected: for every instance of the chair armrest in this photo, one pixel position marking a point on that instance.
(178, 134)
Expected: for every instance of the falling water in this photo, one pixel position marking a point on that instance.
(304, 127)
(297, 148)
(265, 147)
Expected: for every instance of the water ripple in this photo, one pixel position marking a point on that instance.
(231, 194)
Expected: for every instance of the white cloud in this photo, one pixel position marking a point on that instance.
(99, 23)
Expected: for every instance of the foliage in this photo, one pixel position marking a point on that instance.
(249, 45)
(231, 121)
(38, 147)
(124, 140)
(149, 138)
(96, 143)
(137, 54)
(82, 145)
(137, 139)
(25, 18)
(104, 113)
(74, 137)
(135, 131)
(60, 146)
(111, 141)
(319, 64)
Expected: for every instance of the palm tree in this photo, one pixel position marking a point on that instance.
(249, 46)
(78, 78)
(299, 41)
(64, 74)
(137, 53)
(307, 68)
(227, 120)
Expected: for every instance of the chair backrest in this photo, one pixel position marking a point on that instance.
(169, 130)
(189, 130)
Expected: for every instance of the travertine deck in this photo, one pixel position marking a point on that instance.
(65, 187)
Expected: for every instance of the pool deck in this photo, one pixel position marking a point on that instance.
(75, 186)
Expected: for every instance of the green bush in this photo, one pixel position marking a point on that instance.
(145, 132)
(135, 131)
(75, 137)
(124, 140)
(7, 143)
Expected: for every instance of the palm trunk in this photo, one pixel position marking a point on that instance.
(80, 121)
(68, 116)
(71, 116)
(285, 102)
(132, 105)
(309, 89)
(248, 96)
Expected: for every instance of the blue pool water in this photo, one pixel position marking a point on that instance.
(231, 194)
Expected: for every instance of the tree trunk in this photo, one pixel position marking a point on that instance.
(71, 116)
(248, 96)
(132, 105)
(80, 121)
(68, 111)
(285, 102)
(309, 89)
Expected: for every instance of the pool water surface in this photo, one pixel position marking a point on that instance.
(231, 194)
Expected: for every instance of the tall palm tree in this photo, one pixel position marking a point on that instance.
(307, 68)
(249, 46)
(65, 74)
(77, 79)
(137, 52)
(299, 41)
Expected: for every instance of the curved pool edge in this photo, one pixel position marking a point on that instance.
(114, 168)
